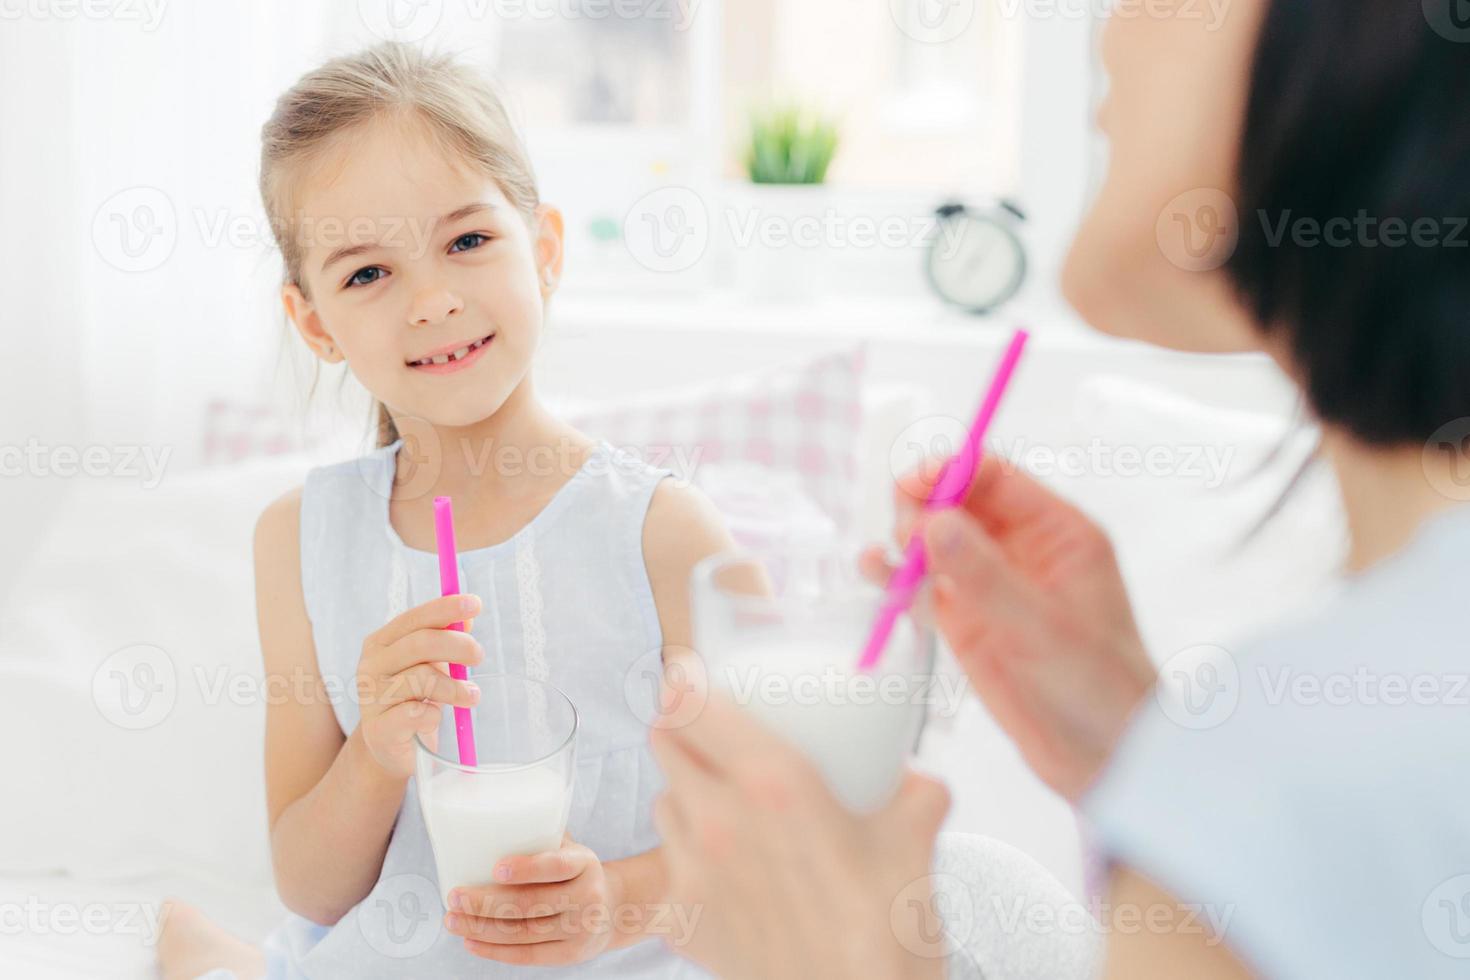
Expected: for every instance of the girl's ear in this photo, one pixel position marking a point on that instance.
(304, 316)
(549, 231)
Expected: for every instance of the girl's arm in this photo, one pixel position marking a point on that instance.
(682, 528)
(331, 806)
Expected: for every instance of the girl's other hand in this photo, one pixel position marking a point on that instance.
(550, 909)
(1026, 591)
(403, 678)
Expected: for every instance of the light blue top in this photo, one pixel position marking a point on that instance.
(1314, 787)
(568, 600)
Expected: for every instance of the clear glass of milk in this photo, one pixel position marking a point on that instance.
(517, 798)
(780, 631)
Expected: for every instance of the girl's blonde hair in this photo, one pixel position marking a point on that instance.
(455, 104)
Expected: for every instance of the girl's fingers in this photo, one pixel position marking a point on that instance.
(517, 931)
(562, 864)
(552, 953)
(504, 903)
(436, 614)
(410, 718)
(427, 682)
(429, 646)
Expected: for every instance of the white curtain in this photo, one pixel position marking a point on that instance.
(136, 278)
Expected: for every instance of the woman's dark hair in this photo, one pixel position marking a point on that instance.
(1355, 119)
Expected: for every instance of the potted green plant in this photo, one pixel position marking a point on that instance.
(789, 146)
(781, 224)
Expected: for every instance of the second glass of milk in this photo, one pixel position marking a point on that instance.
(780, 632)
(517, 799)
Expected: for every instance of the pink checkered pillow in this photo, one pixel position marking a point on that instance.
(805, 419)
(235, 431)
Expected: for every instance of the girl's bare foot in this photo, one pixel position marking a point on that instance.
(192, 944)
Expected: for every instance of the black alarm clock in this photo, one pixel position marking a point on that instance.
(976, 260)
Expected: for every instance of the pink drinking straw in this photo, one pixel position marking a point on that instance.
(949, 490)
(464, 724)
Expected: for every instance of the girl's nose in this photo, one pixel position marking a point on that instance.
(433, 305)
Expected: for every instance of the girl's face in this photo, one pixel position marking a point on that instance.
(1145, 262)
(406, 256)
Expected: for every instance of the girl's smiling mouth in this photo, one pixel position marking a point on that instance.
(447, 360)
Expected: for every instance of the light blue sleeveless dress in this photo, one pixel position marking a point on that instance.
(566, 600)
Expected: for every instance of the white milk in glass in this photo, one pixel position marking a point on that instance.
(858, 729)
(476, 818)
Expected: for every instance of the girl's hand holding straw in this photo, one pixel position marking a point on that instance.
(403, 678)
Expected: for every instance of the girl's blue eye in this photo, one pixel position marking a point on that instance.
(474, 238)
(355, 280)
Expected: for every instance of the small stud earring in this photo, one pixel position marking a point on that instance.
(546, 276)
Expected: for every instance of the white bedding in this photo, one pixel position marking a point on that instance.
(59, 928)
(170, 568)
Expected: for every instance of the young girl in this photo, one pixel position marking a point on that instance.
(418, 252)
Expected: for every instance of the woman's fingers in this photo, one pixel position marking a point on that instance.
(975, 580)
(873, 565)
(916, 811)
(688, 775)
(1002, 496)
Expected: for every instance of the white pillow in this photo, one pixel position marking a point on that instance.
(1183, 532)
(130, 683)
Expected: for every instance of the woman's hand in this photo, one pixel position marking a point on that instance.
(403, 678)
(550, 909)
(776, 879)
(1028, 595)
